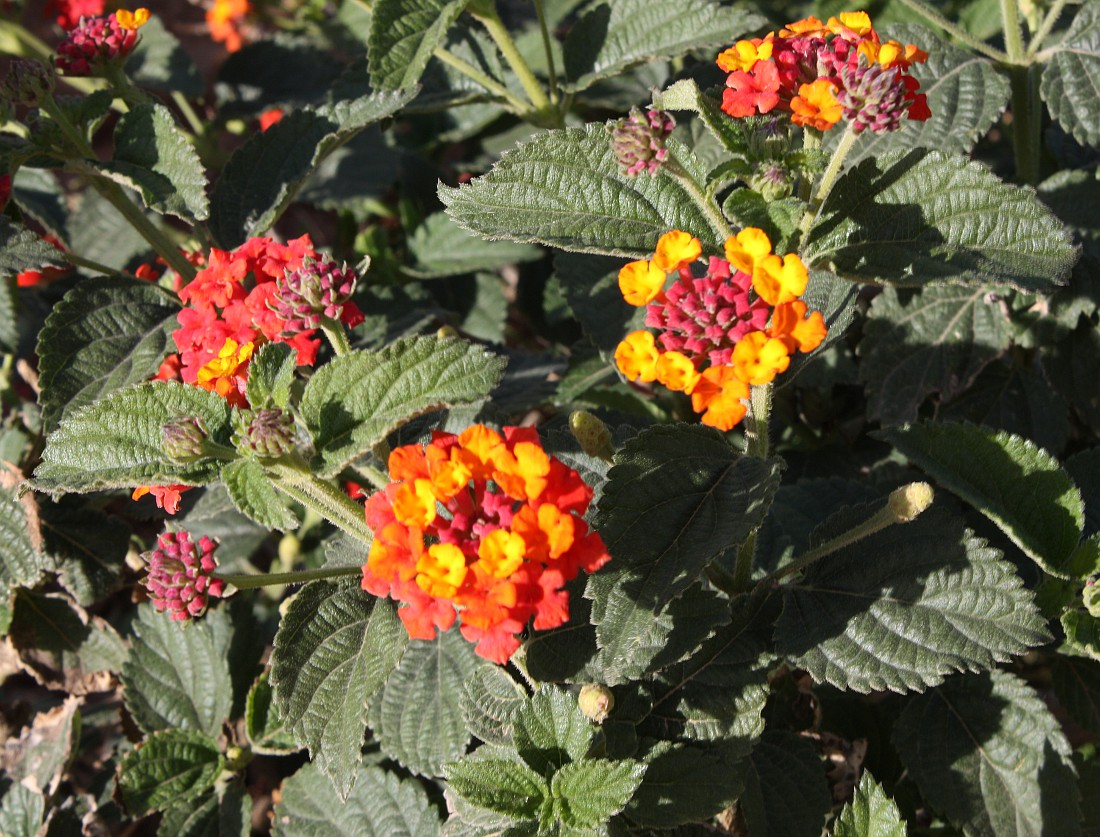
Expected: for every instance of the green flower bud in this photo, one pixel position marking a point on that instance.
(596, 702)
(270, 433)
(772, 181)
(593, 435)
(184, 439)
(1091, 597)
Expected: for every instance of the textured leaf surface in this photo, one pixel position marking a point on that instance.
(334, 649)
(588, 793)
(160, 62)
(118, 443)
(551, 731)
(265, 728)
(251, 491)
(21, 811)
(1082, 633)
(986, 752)
(911, 218)
(354, 401)
(439, 247)
(262, 177)
(382, 806)
(403, 35)
(220, 812)
(1071, 79)
(614, 36)
(86, 548)
(1018, 486)
(935, 341)
(786, 794)
(417, 717)
(21, 250)
(270, 376)
(502, 785)
(871, 813)
(906, 606)
(104, 335)
(154, 157)
(684, 784)
(491, 702)
(169, 768)
(20, 563)
(564, 189)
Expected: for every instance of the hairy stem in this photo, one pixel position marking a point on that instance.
(487, 14)
(337, 336)
(704, 201)
(930, 14)
(254, 580)
(546, 45)
(828, 179)
(1041, 33)
(322, 497)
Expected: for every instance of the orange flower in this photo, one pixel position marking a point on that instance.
(757, 359)
(797, 331)
(167, 496)
(743, 55)
(227, 374)
(779, 278)
(225, 19)
(132, 20)
(674, 249)
(636, 357)
(816, 106)
(640, 282)
(718, 396)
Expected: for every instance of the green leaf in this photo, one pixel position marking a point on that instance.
(439, 247)
(684, 784)
(99, 232)
(21, 812)
(222, 812)
(1071, 78)
(86, 548)
(9, 318)
(153, 156)
(778, 218)
(21, 250)
(508, 787)
(403, 35)
(912, 218)
(159, 62)
(588, 793)
(551, 731)
(20, 562)
(491, 703)
(106, 334)
(417, 717)
(871, 813)
(118, 443)
(564, 189)
(1082, 633)
(382, 805)
(906, 606)
(263, 176)
(334, 649)
(678, 497)
(591, 286)
(612, 37)
(169, 768)
(61, 645)
(252, 492)
(353, 402)
(1008, 479)
(686, 95)
(270, 376)
(265, 729)
(176, 676)
(965, 93)
(1076, 681)
(935, 341)
(786, 792)
(986, 751)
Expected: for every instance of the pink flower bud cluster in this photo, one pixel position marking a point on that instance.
(319, 288)
(180, 579)
(638, 141)
(92, 43)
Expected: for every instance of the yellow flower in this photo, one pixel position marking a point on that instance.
(717, 396)
(441, 570)
(636, 357)
(748, 247)
(858, 23)
(676, 371)
(676, 248)
(778, 279)
(757, 358)
(744, 54)
(640, 282)
(414, 503)
(132, 20)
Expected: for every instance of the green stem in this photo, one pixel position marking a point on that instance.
(757, 445)
(961, 34)
(546, 45)
(490, 19)
(197, 128)
(323, 497)
(811, 141)
(334, 331)
(828, 178)
(80, 261)
(516, 104)
(1026, 123)
(1041, 33)
(1013, 32)
(254, 580)
(717, 220)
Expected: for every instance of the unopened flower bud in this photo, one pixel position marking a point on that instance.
(270, 433)
(446, 332)
(596, 702)
(93, 43)
(184, 439)
(772, 182)
(592, 434)
(318, 289)
(769, 140)
(907, 502)
(638, 141)
(180, 579)
(28, 82)
(1091, 597)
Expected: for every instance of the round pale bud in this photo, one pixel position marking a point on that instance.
(591, 433)
(596, 702)
(907, 503)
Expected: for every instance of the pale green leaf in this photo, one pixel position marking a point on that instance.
(403, 35)
(551, 731)
(270, 376)
(353, 402)
(439, 247)
(1015, 484)
(986, 752)
(21, 812)
(334, 649)
(417, 717)
(917, 217)
(564, 189)
(169, 768)
(1082, 631)
(871, 813)
(786, 794)
(118, 442)
(105, 334)
(178, 676)
(936, 340)
(502, 785)
(98, 231)
(906, 606)
(382, 806)
(9, 320)
(491, 703)
(153, 157)
(1071, 78)
(252, 492)
(612, 37)
(20, 562)
(686, 95)
(588, 793)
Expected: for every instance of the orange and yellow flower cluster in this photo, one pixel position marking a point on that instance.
(734, 327)
(482, 525)
(823, 72)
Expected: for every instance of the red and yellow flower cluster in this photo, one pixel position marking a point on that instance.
(735, 327)
(823, 72)
(484, 523)
(229, 315)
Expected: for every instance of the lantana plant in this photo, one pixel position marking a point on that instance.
(630, 417)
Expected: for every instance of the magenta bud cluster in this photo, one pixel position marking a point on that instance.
(93, 42)
(317, 289)
(180, 575)
(638, 141)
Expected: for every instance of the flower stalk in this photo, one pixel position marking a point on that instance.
(251, 581)
(828, 179)
(321, 497)
(486, 13)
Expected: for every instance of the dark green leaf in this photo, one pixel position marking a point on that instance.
(1008, 479)
(403, 35)
(684, 784)
(1071, 78)
(986, 751)
(177, 676)
(912, 218)
(551, 731)
(591, 288)
(335, 647)
(118, 443)
(9, 319)
(588, 793)
(87, 549)
(778, 218)
(101, 233)
(509, 787)
(221, 812)
(353, 402)
(252, 492)
(105, 334)
(1082, 633)
(440, 248)
(270, 376)
(160, 62)
(906, 606)
(1076, 681)
(169, 768)
(263, 725)
(871, 813)
(786, 794)
(21, 250)
(564, 189)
